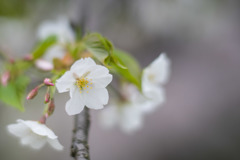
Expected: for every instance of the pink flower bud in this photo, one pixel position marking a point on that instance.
(47, 98)
(51, 107)
(44, 65)
(32, 94)
(48, 82)
(5, 78)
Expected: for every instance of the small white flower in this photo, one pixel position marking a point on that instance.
(34, 134)
(154, 77)
(62, 30)
(87, 83)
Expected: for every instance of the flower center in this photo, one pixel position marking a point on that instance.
(82, 83)
(151, 77)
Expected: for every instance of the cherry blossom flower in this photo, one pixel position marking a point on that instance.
(153, 78)
(86, 81)
(34, 134)
(62, 30)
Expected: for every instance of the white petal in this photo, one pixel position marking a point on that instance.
(160, 69)
(100, 76)
(96, 98)
(75, 104)
(18, 129)
(154, 93)
(102, 82)
(28, 139)
(98, 71)
(39, 142)
(81, 66)
(64, 83)
(55, 144)
(40, 129)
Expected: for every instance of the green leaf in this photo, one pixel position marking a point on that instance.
(102, 49)
(98, 45)
(14, 93)
(132, 72)
(43, 46)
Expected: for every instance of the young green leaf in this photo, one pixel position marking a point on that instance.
(14, 93)
(98, 46)
(132, 73)
(43, 46)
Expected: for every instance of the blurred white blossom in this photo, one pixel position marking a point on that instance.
(60, 28)
(87, 83)
(153, 78)
(128, 113)
(34, 134)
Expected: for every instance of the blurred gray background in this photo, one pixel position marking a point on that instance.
(201, 119)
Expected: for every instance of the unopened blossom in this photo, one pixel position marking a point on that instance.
(86, 81)
(154, 77)
(34, 134)
(32, 93)
(48, 82)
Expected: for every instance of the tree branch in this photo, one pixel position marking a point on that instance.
(79, 148)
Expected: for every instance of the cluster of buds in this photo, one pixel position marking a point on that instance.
(47, 99)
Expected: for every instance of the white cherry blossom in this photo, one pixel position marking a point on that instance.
(153, 78)
(62, 30)
(34, 134)
(86, 81)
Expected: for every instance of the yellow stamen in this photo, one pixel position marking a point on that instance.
(83, 82)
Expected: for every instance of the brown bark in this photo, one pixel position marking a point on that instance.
(79, 148)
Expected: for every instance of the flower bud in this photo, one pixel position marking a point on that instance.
(32, 94)
(51, 107)
(47, 98)
(48, 82)
(5, 78)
